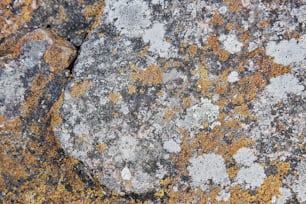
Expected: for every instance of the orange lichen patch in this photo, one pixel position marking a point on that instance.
(210, 197)
(56, 119)
(144, 52)
(234, 5)
(58, 45)
(61, 17)
(267, 66)
(172, 64)
(268, 189)
(238, 195)
(59, 56)
(186, 102)
(114, 97)
(263, 24)
(278, 69)
(182, 196)
(152, 75)
(160, 93)
(131, 89)
(37, 90)
(95, 10)
(114, 52)
(216, 19)
(11, 126)
(101, 147)
(4, 3)
(14, 50)
(204, 82)
(232, 172)
(3, 119)
(101, 35)
(231, 26)
(223, 55)
(169, 114)
(242, 110)
(192, 50)
(245, 36)
(283, 168)
(184, 155)
(231, 124)
(227, 151)
(79, 88)
(250, 85)
(212, 43)
(10, 24)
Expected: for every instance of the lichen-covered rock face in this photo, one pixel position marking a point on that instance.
(34, 80)
(70, 20)
(165, 102)
(153, 74)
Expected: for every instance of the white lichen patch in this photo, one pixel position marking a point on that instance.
(126, 174)
(207, 167)
(223, 196)
(245, 156)
(300, 184)
(155, 36)
(283, 198)
(287, 52)
(233, 77)
(251, 177)
(231, 43)
(279, 87)
(131, 18)
(300, 13)
(172, 146)
(205, 111)
(12, 90)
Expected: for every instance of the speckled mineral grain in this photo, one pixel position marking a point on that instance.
(168, 101)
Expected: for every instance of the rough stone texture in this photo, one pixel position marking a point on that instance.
(167, 102)
(72, 20)
(33, 81)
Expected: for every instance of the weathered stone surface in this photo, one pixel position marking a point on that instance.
(72, 20)
(36, 78)
(163, 90)
(167, 102)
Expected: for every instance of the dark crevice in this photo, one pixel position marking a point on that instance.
(73, 62)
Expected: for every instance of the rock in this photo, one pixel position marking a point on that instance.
(166, 101)
(168, 77)
(33, 82)
(30, 86)
(70, 20)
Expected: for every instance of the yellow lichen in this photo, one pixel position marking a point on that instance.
(168, 115)
(131, 89)
(101, 147)
(216, 19)
(94, 11)
(59, 56)
(114, 97)
(151, 76)
(54, 112)
(79, 88)
(192, 50)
